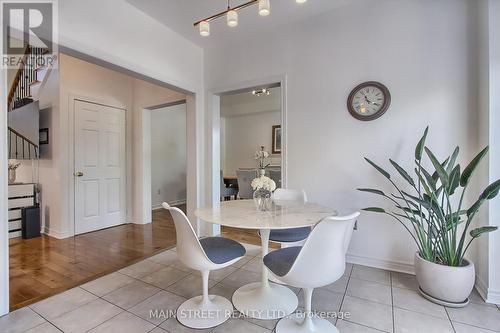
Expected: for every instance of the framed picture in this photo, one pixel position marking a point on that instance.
(43, 136)
(276, 139)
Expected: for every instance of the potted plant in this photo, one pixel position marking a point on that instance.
(261, 156)
(432, 212)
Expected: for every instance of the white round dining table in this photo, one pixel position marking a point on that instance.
(265, 300)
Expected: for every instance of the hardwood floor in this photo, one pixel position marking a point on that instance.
(45, 266)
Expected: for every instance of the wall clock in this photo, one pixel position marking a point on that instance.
(368, 100)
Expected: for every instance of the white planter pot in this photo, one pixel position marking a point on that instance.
(445, 283)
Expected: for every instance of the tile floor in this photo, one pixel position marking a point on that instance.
(377, 301)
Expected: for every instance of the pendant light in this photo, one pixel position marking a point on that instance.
(300, 1)
(232, 18)
(204, 28)
(264, 7)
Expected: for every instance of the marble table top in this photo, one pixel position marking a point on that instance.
(282, 215)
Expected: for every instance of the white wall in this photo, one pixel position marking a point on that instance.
(488, 247)
(245, 134)
(168, 155)
(420, 49)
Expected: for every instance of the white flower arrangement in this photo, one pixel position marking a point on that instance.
(263, 182)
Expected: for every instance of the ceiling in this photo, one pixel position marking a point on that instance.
(179, 15)
(243, 103)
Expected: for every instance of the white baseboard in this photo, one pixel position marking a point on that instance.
(489, 296)
(395, 266)
(56, 234)
(172, 203)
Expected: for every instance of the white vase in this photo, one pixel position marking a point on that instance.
(262, 172)
(445, 283)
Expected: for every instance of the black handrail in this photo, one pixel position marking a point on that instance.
(24, 141)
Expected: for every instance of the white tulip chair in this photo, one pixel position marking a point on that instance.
(204, 255)
(320, 262)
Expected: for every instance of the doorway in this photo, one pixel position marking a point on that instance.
(251, 121)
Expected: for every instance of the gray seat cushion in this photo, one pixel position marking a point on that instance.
(289, 235)
(280, 261)
(221, 250)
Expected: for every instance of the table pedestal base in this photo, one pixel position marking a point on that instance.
(265, 301)
(297, 323)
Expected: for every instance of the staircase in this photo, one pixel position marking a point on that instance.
(26, 87)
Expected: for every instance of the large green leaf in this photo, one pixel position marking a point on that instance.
(475, 207)
(374, 209)
(371, 190)
(443, 175)
(469, 170)
(430, 181)
(402, 172)
(435, 175)
(491, 191)
(420, 146)
(453, 159)
(454, 179)
(379, 169)
(482, 230)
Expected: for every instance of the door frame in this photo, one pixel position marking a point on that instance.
(72, 99)
(72, 133)
(214, 130)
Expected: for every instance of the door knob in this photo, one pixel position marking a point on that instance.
(78, 174)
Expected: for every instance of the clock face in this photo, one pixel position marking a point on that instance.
(368, 101)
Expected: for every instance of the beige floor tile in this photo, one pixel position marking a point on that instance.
(131, 294)
(141, 269)
(323, 300)
(413, 301)
(173, 326)
(463, 328)
(222, 290)
(348, 270)
(254, 265)
(44, 328)
(372, 291)
(125, 322)
(107, 284)
(239, 326)
(180, 266)
(252, 250)
(219, 274)
(67, 301)
(371, 274)
(476, 315)
(268, 324)
(348, 327)
(406, 281)
(166, 258)
(86, 317)
(160, 330)
(164, 277)
(163, 303)
(189, 286)
(242, 261)
(338, 286)
(241, 278)
(412, 322)
(20, 321)
(367, 313)
(474, 297)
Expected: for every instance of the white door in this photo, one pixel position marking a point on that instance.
(99, 167)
